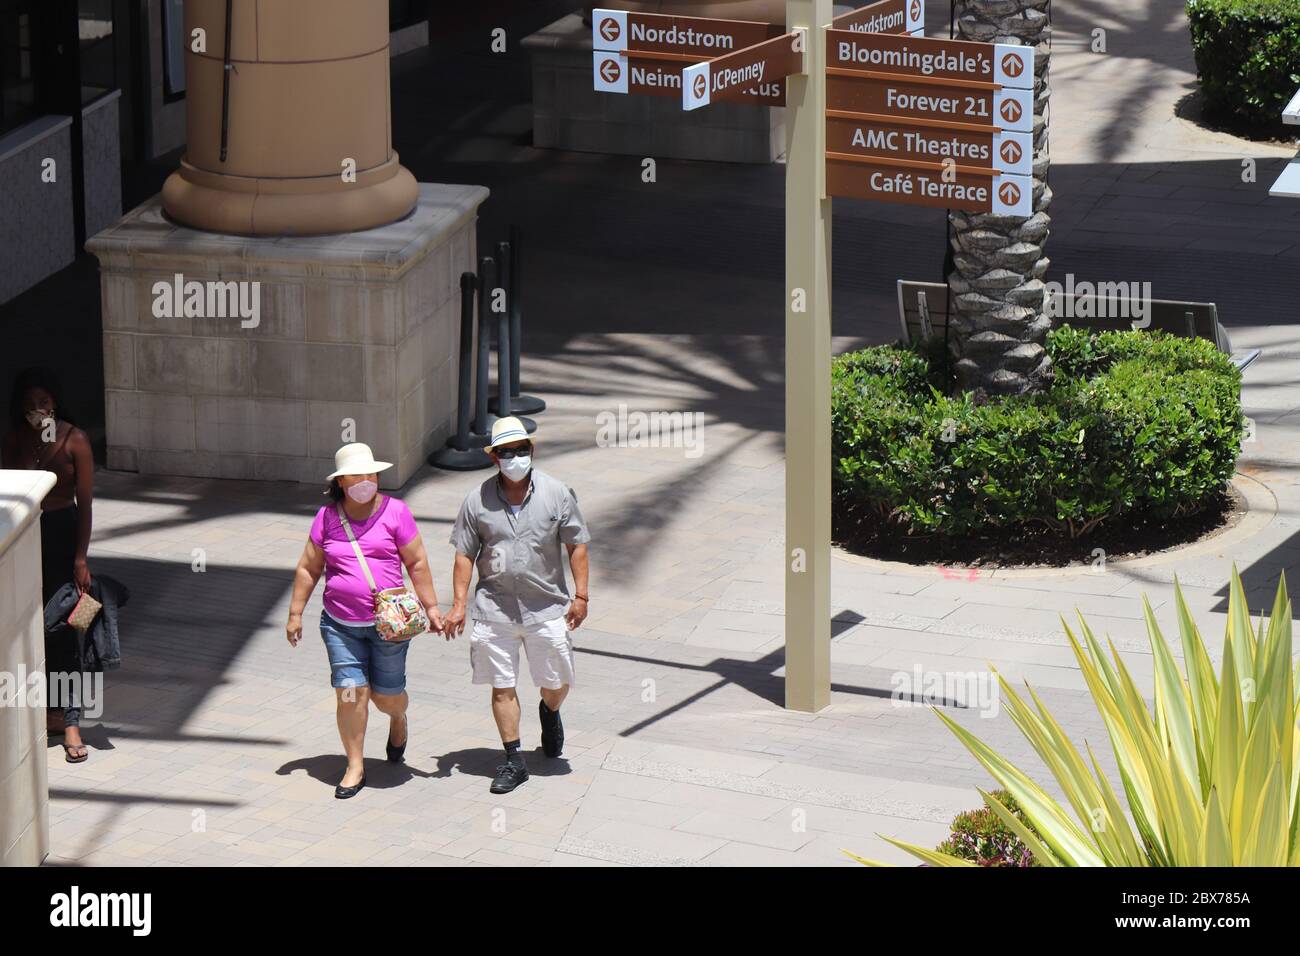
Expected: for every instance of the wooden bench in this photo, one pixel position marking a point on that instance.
(923, 311)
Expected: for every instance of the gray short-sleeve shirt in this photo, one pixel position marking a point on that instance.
(519, 557)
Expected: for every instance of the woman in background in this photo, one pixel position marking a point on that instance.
(42, 437)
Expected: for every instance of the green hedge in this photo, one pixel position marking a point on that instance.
(1137, 423)
(1247, 57)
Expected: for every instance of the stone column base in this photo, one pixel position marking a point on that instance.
(356, 340)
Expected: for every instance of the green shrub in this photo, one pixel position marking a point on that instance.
(1136, 423)
(1247, 57)
(981, 837)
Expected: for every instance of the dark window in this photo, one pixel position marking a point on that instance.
(404, 13)
(20, 100)
(173, 35)
(95, 47)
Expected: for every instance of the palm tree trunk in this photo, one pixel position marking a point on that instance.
(999, 321)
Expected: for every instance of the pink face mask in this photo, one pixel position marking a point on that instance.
(362, 491)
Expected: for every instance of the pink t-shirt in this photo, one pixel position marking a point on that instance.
(347, 595)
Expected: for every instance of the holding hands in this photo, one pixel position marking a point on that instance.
(454, 622)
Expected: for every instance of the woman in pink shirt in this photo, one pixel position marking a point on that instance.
(363, 666)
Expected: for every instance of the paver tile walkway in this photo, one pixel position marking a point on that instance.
(218, 745)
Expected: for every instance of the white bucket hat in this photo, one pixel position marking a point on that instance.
(508, 429)
(356, 459)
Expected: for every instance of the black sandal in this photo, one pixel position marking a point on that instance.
(68, 756)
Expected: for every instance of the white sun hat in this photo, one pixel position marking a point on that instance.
(508, 429)
(356, 459)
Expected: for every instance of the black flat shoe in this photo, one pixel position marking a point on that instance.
(397, 754)
(346, 793)
(552, 730)
(508, 777)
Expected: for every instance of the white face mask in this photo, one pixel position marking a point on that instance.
(362, 491)
(37, 417)
(515, 468)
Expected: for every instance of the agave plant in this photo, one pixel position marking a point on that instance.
(1209, 773)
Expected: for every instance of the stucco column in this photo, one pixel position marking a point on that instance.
(299, 141)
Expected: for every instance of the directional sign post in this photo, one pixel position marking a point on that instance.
(874, 110)
(887, 16)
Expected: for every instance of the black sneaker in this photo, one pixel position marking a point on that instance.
(509, 776)
(552, 730)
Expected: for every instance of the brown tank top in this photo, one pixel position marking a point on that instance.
(56, 459)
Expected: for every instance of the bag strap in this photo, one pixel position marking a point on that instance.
(365, 568)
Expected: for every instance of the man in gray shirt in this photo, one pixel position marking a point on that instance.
(511, 528)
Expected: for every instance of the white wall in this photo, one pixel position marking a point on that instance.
(24, 788)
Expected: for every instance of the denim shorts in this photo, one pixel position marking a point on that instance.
(360, 657)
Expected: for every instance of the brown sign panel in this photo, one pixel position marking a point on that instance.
(1008, 65)
(618, 73)
(887, 16)
(967, 148)
(910, 56)
(766, 63)
(948, 104)
(928, 184)
(699, 37)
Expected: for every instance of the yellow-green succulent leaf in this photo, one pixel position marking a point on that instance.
(1203, 687)
(1216, 841)
(1173, 703)
(1225, 758)
(1240, 630)
(1257, 762)
(1061, 834)
(932, 857)
(1120, 828)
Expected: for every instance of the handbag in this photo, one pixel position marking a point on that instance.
(399, 616)
(83, 615)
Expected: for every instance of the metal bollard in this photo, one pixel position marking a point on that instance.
(506, 348)
(481, 431)
(522, 404)
(459, 453)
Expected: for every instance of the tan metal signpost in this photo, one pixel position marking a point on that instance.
(807, 374)
(944, 123)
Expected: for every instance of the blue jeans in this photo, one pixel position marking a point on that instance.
(360, 657)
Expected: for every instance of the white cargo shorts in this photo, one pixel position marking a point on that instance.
(494, 653)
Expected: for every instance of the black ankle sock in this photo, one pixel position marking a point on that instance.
(513, 753)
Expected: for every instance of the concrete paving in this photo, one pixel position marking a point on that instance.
(218, 742)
